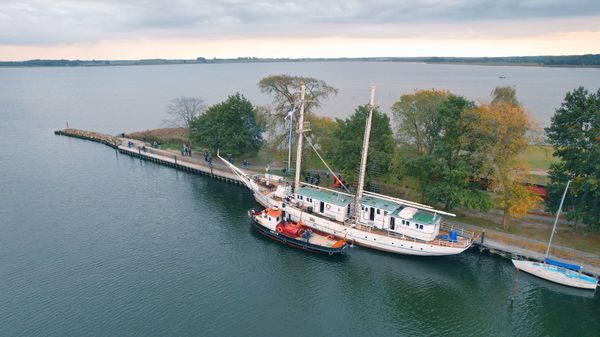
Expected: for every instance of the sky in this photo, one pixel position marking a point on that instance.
(137, 29)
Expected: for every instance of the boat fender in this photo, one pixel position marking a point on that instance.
(328, 206)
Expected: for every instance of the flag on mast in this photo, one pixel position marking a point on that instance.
(288, 113)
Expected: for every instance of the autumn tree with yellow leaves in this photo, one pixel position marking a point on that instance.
(504, 131)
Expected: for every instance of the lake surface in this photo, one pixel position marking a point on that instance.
(98, 244)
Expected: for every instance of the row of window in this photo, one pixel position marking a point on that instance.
(407, 223)
(302, 198)
(378, 211)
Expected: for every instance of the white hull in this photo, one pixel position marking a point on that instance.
(374, 240)
(556, 274)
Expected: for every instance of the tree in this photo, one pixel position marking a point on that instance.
(505, 94)
(417, 118)
(445, 155)
(574, 133)
(183, 110)
(285, 91)
(229, 126)
(349, 139)
(504, 128)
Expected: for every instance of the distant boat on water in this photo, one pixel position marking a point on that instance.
(555, 271)
(501, 77)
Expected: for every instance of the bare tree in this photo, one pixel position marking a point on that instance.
(183, 110)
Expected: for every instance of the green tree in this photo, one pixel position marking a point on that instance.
(575, 135)
(448, 155)
(417, 118)
(349, 138)
(229, 126)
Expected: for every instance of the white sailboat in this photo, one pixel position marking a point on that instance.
(556, 271)
(368, 219)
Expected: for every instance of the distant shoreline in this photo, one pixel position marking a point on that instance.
(571, 61)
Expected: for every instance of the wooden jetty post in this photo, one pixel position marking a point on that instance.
(515, 284)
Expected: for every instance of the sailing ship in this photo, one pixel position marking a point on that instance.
(368, 219)
(556, 271)
(273, 223)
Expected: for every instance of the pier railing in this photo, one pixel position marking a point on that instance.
(435, 242)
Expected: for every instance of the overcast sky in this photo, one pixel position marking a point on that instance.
(132, 29)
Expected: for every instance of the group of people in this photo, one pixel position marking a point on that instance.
(208, 158)
(338, 182)
(186, 150)
(312, 178)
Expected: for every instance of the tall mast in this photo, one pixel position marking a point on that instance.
(290, 145)
(299, 148)
(365, 153)
(556, 220)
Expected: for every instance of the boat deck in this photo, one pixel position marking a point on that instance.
(464, 238)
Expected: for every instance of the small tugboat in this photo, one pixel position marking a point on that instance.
(272, 223)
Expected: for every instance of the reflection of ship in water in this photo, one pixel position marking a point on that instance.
(526, 280)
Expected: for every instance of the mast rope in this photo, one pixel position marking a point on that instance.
(323, 160)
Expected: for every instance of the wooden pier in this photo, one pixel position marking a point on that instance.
(158, 156)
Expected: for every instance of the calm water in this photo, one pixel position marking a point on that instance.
(98, 244)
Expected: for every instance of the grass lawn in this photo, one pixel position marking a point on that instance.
(538, 157)
(565, 236)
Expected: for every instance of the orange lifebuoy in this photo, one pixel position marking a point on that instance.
(279, 229)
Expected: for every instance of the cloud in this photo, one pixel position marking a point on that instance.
(56, 22)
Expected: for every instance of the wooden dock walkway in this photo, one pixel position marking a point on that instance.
(163, 157)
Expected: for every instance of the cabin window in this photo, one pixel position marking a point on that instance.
(392, 223)
(420, 226)
(277, 219)
(385, 212)
(417, 225)
(269, 218)
(362, 207)
(378, 212)
(408, 223)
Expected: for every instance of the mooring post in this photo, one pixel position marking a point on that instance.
(515, 284)
(482, 236)
(175, 156)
